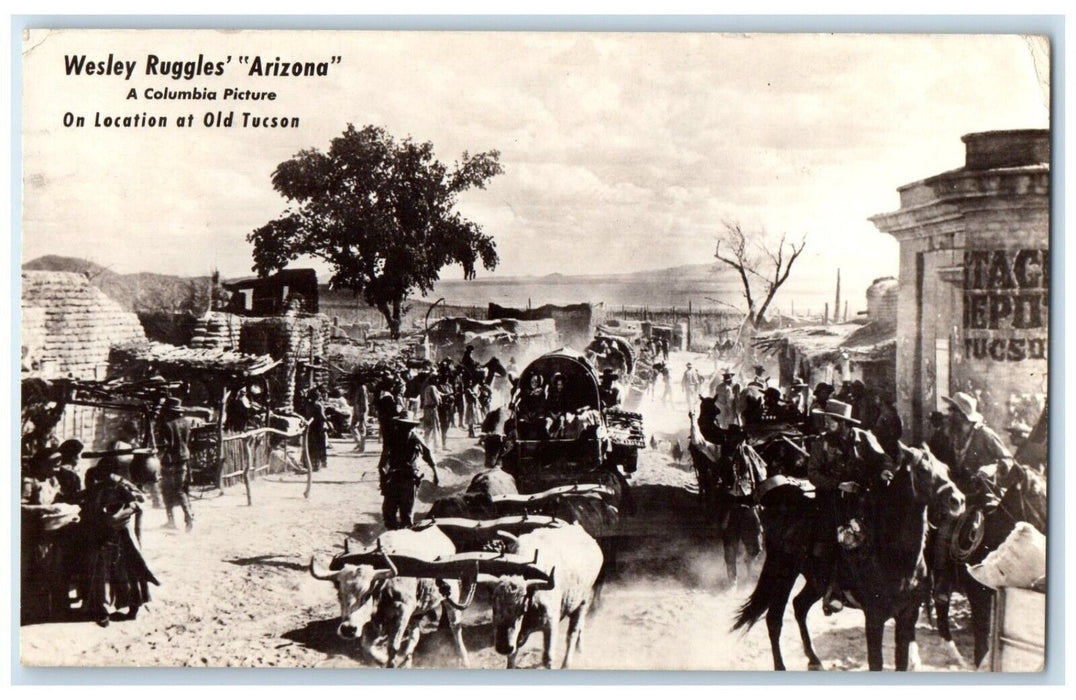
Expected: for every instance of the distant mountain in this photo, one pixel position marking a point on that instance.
(698, 283)
(138, 291)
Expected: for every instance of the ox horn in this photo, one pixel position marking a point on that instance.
(320, 573)
(510, 538)
(347, 544)
(471, 582)
(540, 585)
(392, 570)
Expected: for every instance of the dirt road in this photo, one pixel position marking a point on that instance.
(236, 591)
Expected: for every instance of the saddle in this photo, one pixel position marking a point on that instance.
(782, 481)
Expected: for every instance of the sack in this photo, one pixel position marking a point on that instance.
(1017, 563)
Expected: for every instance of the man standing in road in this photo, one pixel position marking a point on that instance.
(399, 473)
(174, 443)
(690, 383)
(429, 403)
(725, 399)
(360, 405)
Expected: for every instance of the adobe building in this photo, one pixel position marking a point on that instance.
(973, 302)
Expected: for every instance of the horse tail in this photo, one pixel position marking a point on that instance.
(758, 603)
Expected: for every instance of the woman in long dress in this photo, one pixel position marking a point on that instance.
(115, 575)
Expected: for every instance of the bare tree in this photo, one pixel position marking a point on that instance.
(748, 256)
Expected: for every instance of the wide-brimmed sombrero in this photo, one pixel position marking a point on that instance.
(966, 404)
(839, 410)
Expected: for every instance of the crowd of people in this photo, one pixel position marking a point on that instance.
(414, 408)
(851, 438)
(82, 527)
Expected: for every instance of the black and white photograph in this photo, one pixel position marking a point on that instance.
(605, 350)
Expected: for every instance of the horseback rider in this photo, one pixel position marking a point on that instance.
(816, 423)
(841, 463)
(973, 446)
(467, 362)
(774, 409)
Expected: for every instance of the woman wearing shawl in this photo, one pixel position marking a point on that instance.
(115, 575)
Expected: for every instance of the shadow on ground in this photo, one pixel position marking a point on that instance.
(435, 649)
(277, 560)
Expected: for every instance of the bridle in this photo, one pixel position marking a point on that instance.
(947, 486)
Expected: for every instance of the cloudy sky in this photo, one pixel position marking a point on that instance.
(621, 152)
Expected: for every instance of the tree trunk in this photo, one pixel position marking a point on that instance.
(394, 323)
(392, 317)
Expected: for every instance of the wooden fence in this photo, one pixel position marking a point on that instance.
(244, 456)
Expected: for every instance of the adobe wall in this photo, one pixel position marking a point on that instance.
(973, 277)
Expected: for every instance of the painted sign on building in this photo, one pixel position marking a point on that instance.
(1006, 304)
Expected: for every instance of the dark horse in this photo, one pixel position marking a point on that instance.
(1023, 499)
(886, 574)
(727, 488)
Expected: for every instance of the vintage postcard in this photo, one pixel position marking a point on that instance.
(668, 351)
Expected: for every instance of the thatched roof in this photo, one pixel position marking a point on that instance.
(818, 344)
(68, 325)
(178, 359)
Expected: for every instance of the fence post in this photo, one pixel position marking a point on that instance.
(689, 325)
(307, 464)
(220, 440)
(248, 461)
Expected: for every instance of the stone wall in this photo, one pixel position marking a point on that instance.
(297, 339)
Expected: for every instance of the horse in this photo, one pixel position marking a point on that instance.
(784, 452)
(886, 574)
(723, 492)
(732, 509)
(1024, 500)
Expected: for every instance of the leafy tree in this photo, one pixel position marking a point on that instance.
(381, 212)
(748, 256)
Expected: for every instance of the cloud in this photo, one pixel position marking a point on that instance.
(621, 151)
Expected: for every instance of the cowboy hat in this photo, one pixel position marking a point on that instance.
(72, 447)
(404, 418)
(966, 404)
(839, 410)
(173, 404)
(798, 383)
(727, 373)
(759, 369)
(824, 387)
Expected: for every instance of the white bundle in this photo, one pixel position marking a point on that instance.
(1017, 563)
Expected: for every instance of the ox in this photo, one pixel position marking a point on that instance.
(375, 601)
(523, 606)
(477, 501)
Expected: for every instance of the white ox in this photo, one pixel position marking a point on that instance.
(522, 607)
(375, 601)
